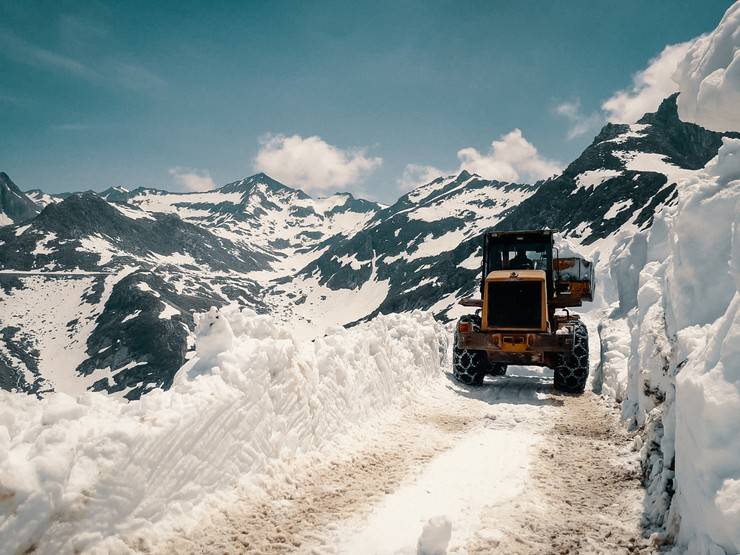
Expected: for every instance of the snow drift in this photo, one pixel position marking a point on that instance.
(96, 474)
(671, 353)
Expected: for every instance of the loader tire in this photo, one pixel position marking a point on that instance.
(571, 370)
(469, 366)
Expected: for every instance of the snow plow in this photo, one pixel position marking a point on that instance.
(522, 317)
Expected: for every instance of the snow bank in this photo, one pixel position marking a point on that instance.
(99, 475)
(709, 77)
(671, 353)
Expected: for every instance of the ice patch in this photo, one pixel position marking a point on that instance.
(472, 262)
(168, 312)
(42, 245)
(635, 132)
(351, 261)
(144, 286)
(653, 162)
(100, 246)
(131, 212)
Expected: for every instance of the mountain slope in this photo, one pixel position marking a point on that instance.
(287, 226)
(626, 173)
(383, 267)
(132, 267)
(101, 295)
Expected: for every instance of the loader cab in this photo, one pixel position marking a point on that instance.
(520, 250)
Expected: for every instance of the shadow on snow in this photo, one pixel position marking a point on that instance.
(514, 390)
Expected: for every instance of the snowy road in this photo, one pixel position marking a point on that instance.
(513, 467)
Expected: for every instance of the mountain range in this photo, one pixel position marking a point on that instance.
(99, 289)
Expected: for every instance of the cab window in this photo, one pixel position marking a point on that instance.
(520, 256)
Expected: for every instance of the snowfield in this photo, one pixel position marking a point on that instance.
(96, 474)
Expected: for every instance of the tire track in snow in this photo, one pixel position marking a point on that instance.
(584, 496)
(299, 514)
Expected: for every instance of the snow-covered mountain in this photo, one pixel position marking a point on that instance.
(622, 177)
(99, 289)
(285, 225)
(402, 258)
(91, 286)
(423, 252)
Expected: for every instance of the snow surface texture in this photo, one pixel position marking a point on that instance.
(96, 474)
(709, 77)
(677, 370)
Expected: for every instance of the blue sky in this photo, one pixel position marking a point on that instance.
(185, 94)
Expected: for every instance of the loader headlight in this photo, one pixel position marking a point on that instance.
(464, 327)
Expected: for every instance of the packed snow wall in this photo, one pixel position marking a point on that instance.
(98, 474)
(671, 355)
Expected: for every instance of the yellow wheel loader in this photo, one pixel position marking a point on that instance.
(523, 318)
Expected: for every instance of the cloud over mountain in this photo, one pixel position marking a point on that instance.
(579, 122)
(415, 175)
(313, 164)
(649, 86)
(511, 158)
(192, 180)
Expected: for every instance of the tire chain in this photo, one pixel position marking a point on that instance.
(466, 363)
(572, 368)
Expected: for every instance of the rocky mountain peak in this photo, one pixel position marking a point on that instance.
(666, 114)
(78, 214)
(15, 205)
(251, 183)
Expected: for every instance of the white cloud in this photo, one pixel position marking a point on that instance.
(311, 163)
(511, 158)
(649, 86)
(580, 123)
(415, 175)
(192, 180)
(708, 77)
(24, 52)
